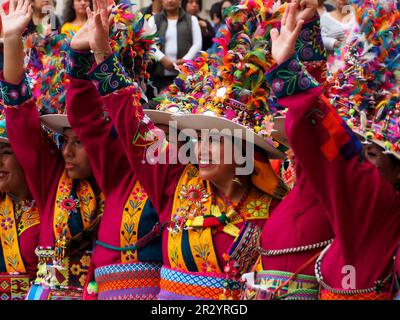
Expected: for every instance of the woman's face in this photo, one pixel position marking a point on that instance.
(341, 3)
(193, 7)
(210, 156)
(388, 168)
(170, 5)
(76, 159)
(12, 178)
(38, 5)
(80, 6)
(225, 4)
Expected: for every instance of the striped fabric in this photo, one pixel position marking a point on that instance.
(128, 281)
(180, 285)
(327, 295)
(264, 285)
(41, 292)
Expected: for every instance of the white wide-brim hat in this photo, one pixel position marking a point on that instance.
(56, 122)
(203, 121)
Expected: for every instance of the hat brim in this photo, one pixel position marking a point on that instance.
(159, 117)
(201, 121)
(377, 142)
(4, 140)
(279, 133)
(56, 122)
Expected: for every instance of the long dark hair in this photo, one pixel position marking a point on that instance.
(69, 14)
(185, 2)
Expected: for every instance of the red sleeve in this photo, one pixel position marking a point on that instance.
(92, 125)
(35, 151)
(357, 198)
(136, 131)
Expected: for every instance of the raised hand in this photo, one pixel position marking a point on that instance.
(98, 29)
(17, 19)
(307, 9)
(283, 42)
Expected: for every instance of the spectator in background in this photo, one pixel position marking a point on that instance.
(44, 19)
(324, 7)
(180, 39)
(215, 14)
(336, 25)
(75, 16)
(225, 4)
(155, 7)
(194, 7)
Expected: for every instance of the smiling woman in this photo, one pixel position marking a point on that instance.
(46, 173)
(19, 225)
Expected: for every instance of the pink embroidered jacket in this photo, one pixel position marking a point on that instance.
(363, 207)
(111, 169)
(159, 180)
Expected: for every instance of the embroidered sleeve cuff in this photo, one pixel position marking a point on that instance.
(309, 45)
(14, 95)
(110, 76)
(79, 63)
(290, 78)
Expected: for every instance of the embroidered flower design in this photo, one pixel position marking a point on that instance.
(257, 208)
(139, 194)
(69, 205)
(65, 187)
(85, 261)
(76, 269)
(14, 95)
(278, 85)
(208, 267)
(7, 223)
(194, 195)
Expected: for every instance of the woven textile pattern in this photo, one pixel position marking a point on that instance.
(128, 281)
(180, 285)
(303, 287)
(13, 287)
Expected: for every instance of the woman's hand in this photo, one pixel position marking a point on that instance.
(98, 30)
(308, 9)
(283, 42)
(80, 41)
(17, 19)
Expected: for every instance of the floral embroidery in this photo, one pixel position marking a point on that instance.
(130, 221)
(258, 208)
(79, 64)
(208, 267)
(309, 45)
(110, 76)
(15, 95)
(7, 223)
(69, 204)
(290, 78)
(13, 222)
(83, 202)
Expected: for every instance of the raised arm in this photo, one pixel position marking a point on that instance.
(135, 130)
(349, 186)
(91, 123)
(36, 153)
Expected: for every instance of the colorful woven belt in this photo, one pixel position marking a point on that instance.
(265, 284)
(41, 292)
(14, 286)
(128, 281)
(180, 285)
(327, 295)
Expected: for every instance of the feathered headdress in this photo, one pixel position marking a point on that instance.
(366, 74)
